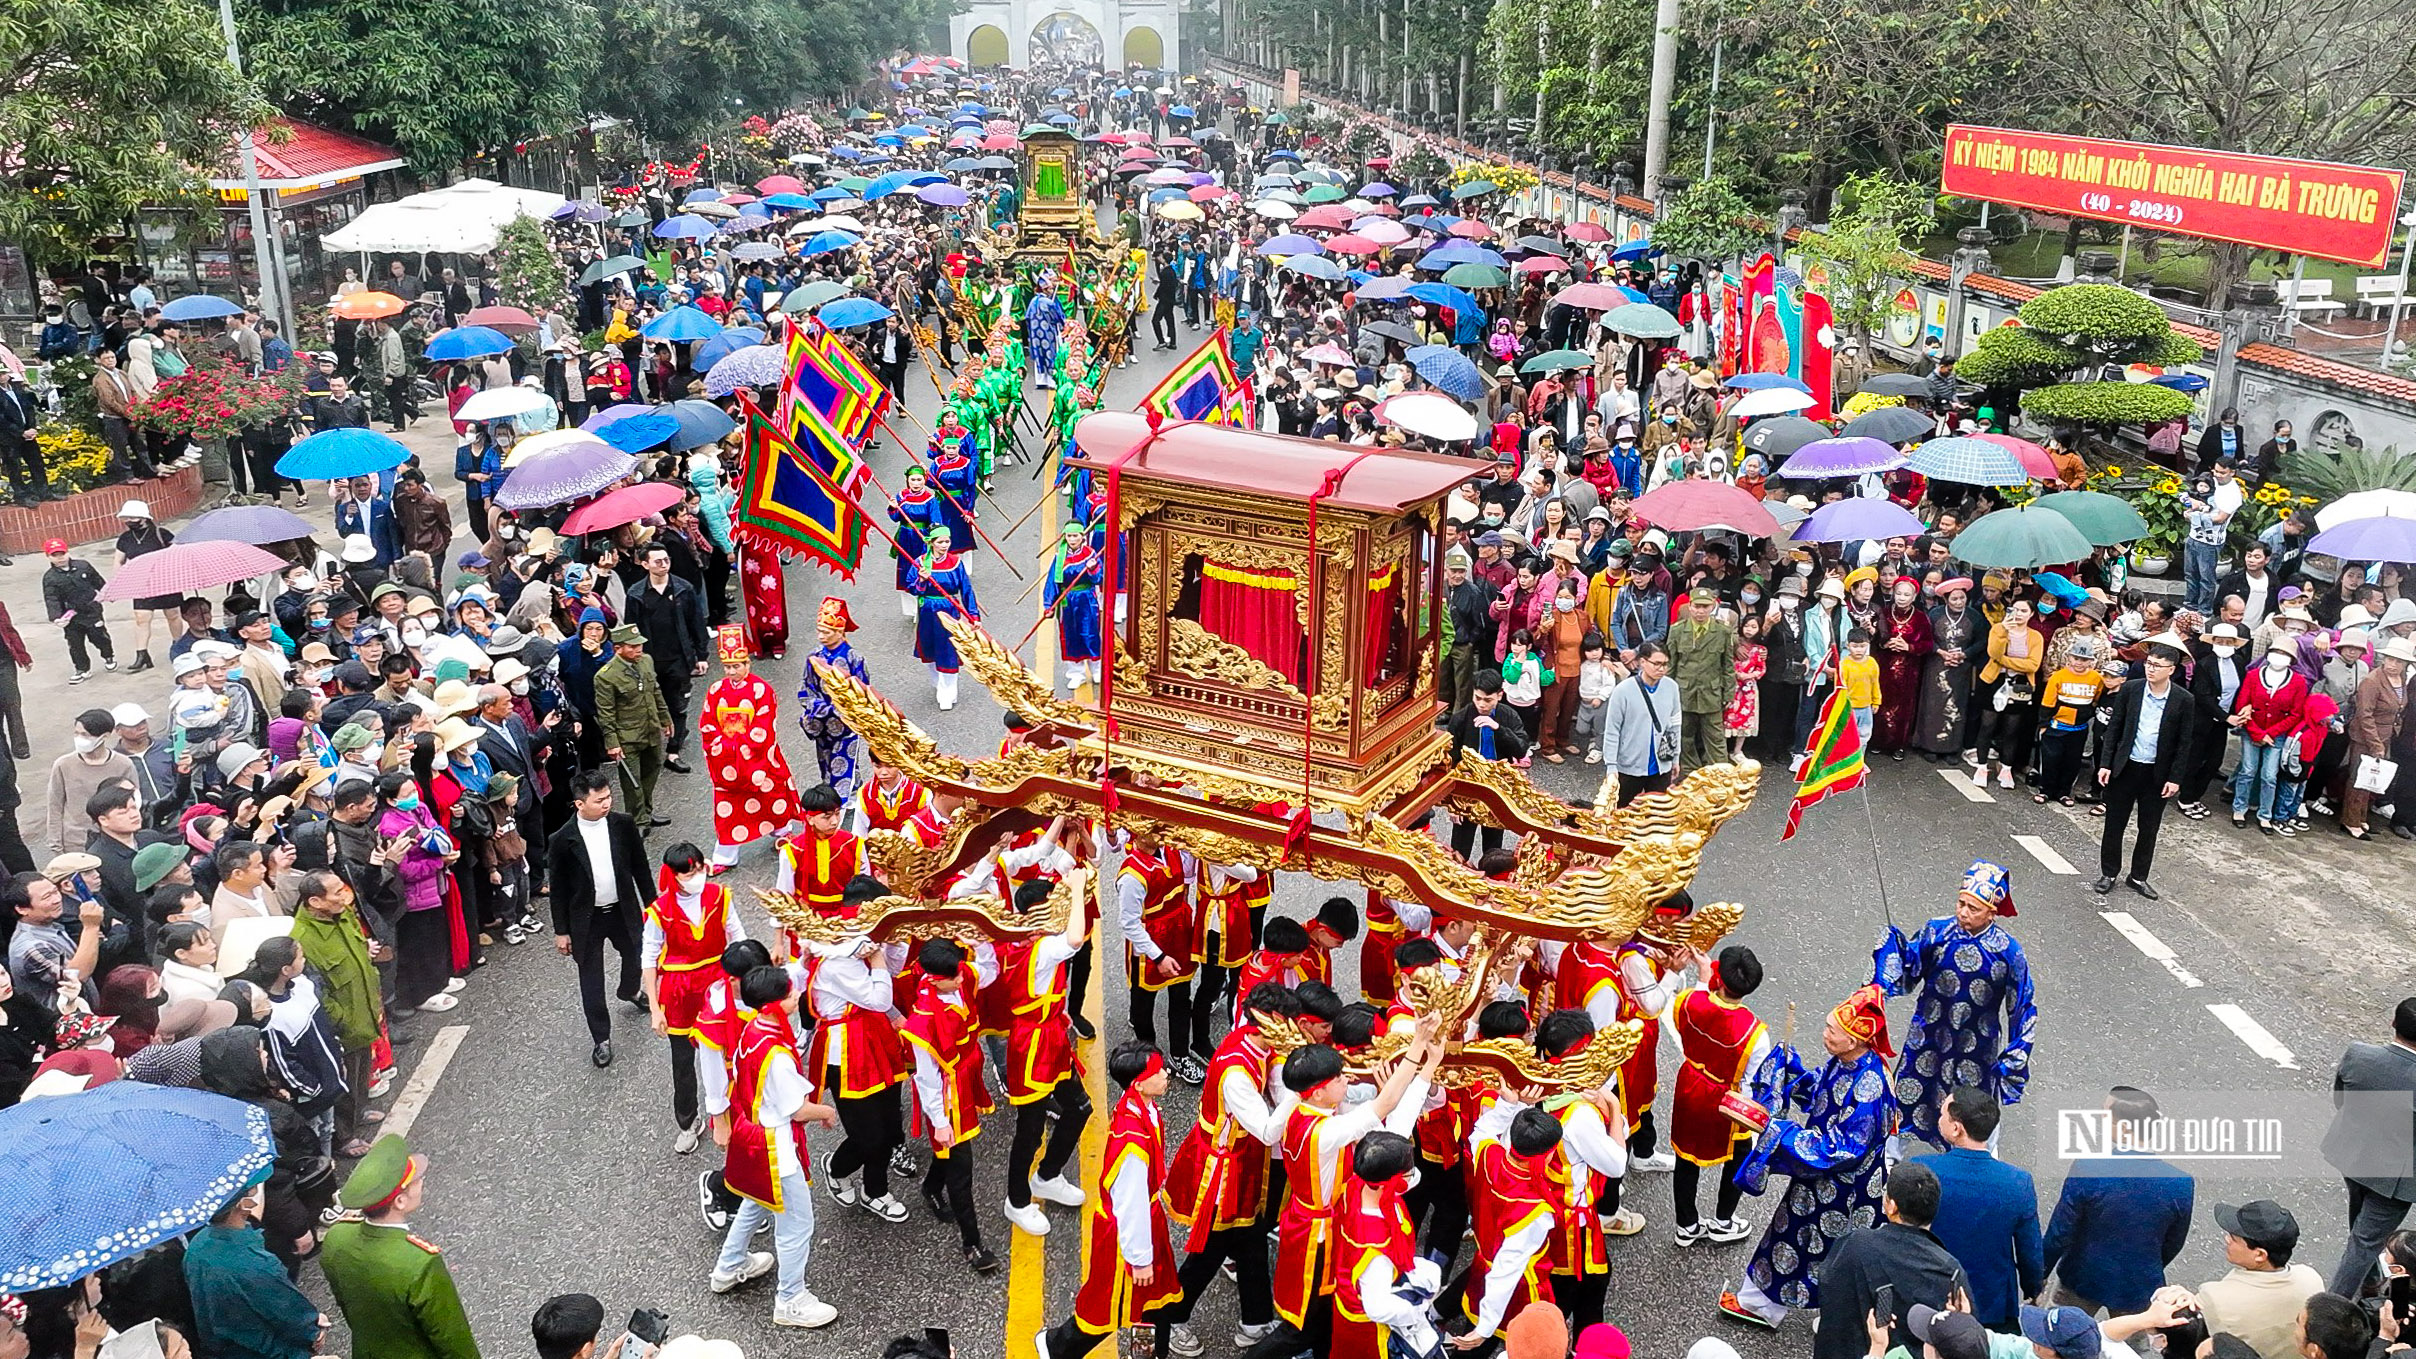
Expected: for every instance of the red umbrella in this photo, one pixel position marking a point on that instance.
(1473, 230)
(185, 568)
(1383, 210)
(1330, 216)
(1593, 232)
(2033, 458)
(1352, 245)
(505, 319)
(1689, 505)
(1590, 296)
(771, 184)
(999, 142)
(1540, 264)
(1178, 141)
(615, 508)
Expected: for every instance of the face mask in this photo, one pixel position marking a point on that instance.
(431, 621)
(519, 686)
(691, 884)
(414, 635)
(408, 804)
(1750, 596)
(2226, 652)
(1564, 605)
(369, 754)
(1804, 569)
(1789, 603)
(85, 745)
(321, 675)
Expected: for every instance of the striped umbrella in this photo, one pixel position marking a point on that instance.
(187, 568)
(755, 366)
(1973, 462)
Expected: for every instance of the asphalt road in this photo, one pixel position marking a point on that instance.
(551, 1176)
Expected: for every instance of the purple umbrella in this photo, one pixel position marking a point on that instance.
(561, 475)
(1845, 521)
(754, 366)
(254, 524)
(1849, 457)
(2366, 540)
(611, 413)
(943, 195)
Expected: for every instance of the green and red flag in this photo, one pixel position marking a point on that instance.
(1832, 762)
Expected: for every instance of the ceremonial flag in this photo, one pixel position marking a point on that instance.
(1202, 387)
(798, 494)
(826, 378)
(1832, 762)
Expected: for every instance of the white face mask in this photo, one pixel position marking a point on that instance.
(2226, 652)
(370, 753)
(1789, 603)
(85, 745)
(691, 884)
(519, 686)
(414, 634)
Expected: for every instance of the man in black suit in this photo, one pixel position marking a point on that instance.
(2142, 765)
(512, 748)
(597, 865)
(20, 456)
(2373, 1131)
(672, 615)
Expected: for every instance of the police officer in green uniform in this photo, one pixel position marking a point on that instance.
(636, 719)
(393, 1287)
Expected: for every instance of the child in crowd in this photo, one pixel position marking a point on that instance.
(1858, 678)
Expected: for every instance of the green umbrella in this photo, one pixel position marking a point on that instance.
(2026, 536)
(1642, 320)
(2105, 519)
(1556, 360)
(1323, 193)
(604, 269)
(812, 295)
(855, 184)
(1477, 276)
(857, 114)
(635, 217)
(1474, 187)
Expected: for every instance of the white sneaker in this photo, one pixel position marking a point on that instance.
(439, 1003)
(1625, 1222)
(886, 1208)
(842, 1187)
(1727, 1231)
(1028, 1219)
(758, 1263)
(380, 1084)
(1180, 1341)
(2005, 776)
(1245, 1335)
(1659, 1162)
(1689, 1234)
(454, 986)
(1058, 1190)
(685, 1142)
(804, 1310)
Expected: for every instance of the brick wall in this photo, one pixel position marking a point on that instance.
(91, 516)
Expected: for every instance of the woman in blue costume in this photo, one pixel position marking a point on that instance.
(1072, 593)
(943, 588)
(916, 510)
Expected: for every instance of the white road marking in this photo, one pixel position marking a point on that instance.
(424, 1077)
(2252, 1033)
(2155, 948)
(2047, 857)
(1962, 782)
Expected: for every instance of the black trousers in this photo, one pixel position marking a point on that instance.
(1161, 321)
(2059, 760)
(1215, 983)
(83, 631)
(1465, 835)
(22, 458)
(587, 950)
(683, 1080)
(1254, 1276)
(874, 1128)
(1078, 977)
(1640, 1141)
(1072, 1108)
(399, 406)
(1685, 1178)
(1633, 786)
(14, 856)
(949, 1186)
(1142, 1010)
(1316, 1338)
(1067, 1339)
(2135, 787)
(1580, 1297)
(12, 710)
(1440, 1199)
(2206, 759)
(423, 955)
(676, 681)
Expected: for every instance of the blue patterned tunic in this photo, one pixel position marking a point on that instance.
(1042, 321)
(1974, 1022)
(834, 741)
(1835, 1156)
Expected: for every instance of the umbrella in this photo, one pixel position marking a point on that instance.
(943, 195)
(1784, 514)
(1448, 369)
(1394, 330)
(563, 474)
(1754, 382)
(1642, 320)
(1591, 297)
(1353, 245)
(1390, 288)
(1895, 384)
(847, 312)
(1473, 188)
(1780, 435)
(1429, 413)
(468, 342)
(1770, 401)
(1274, 211)
(1634, 250)
(1541, 245)
(721, 212)
(183, 569)
(368, 305)
(342, 452)
(1592, 233)
(1380, 230)
(99, 1176)
(1180, 210)
(1973, 462)
(635, 217)
(701, 195)
(2034, 459)
(604, 269)
(1460, 252)
(812, 295)
(1290, 243)
(199, 307)
(2106, 519)
(1328, 353)
(1473, 230)
(1849, 456)
(2025, 536)
(685, 226)
(1891, 425)
(1858, 519)
(1689, 505)
(1444, 295)
(624, 506)
(2385, 538)
(754, 366)
(681, 323)
(789, 202)
(725, 344)
(779, 184)
(2367, 505)
(1557, 360)
(701, 423)
(501, 403)
(824, 242)
(548, 441)
(1541, 264)
(255, 524)
(1476, 276)
(637, 433)
(606, 416)
(1313, 266)
(1377, 188)
(505, 319)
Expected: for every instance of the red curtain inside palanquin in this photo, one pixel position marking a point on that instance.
(1380, 635)
(1256, 610)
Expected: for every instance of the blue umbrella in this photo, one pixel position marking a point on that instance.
(636, 433)
(1181, 111)
(914, 130)
(846, 152)
(702, 196)
(962, 164)
(1063, 119)
(1290, 243)
(468, 342)
(823, 242)
(700, 423)
(2180, 382)
(725, 344)
(1635, 250)
(1857, 519)
(686, 226)
(1421, 200)
(1973, 462)
(916, 179)
(94, 1178)
(1283, 155)
(1377, 189)
(199, 307)
(1449, 370)
(889, 139)
(1384, 289)
(1754, 382)
(841, 313)
(681, 323)
(828, 192)
(886, 185)
(874, 158)
(1312, 266)
(331, 454)
(1062, 92)
(754, 366)
(1460, 252)
(1444, 295)
(758, 210)
(977, 110)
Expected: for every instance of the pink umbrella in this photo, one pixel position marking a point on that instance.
(1591, 232)
(1473, 230)
(1000, 141)
(1352, 245)
(1689, 505)
(1209, 193)
(615, 508)
(1327, 353)
(1540, 264)
(1382, 233)
(2033, 458)
(1383, 210)
(1590, 297)
(1178, 141)
(772, 184)
(185, 568)
(509, 320)
(1328, 216)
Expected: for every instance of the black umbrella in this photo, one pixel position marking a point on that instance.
(1781, 435)
(1890, 425)
(1541, 245)
(1393, 330)
(1895, 384)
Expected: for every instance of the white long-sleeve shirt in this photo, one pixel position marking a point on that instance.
(784, 1092)
(1246, 1103)
(1341, 1130)
(1519, 1249)
(1131, 897)
(734, 925)
(1128, 1193)
(930, 1083)
(982, 879)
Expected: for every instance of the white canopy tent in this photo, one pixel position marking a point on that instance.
(462, 218)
